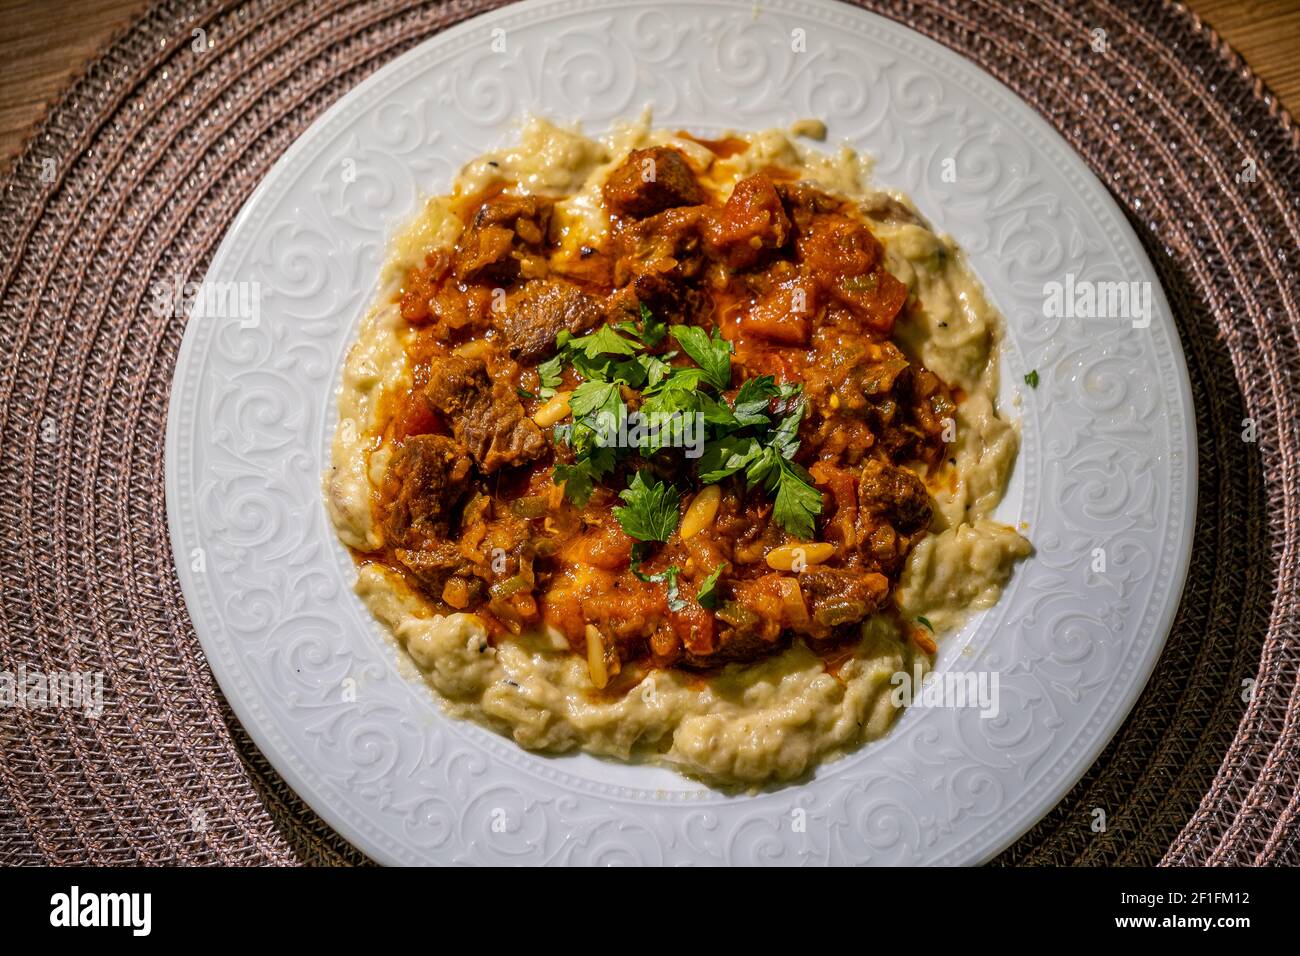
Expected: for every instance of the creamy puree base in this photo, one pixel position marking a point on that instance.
(771, 720)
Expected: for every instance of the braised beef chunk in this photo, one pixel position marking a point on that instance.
(732, 645)
(491, 244)
(484, 252)
(651, 180)
(433, 565)
(540, 311)
(894, 494)
(528, 216)
(751, 221)
(803, 200)
(839, 249)
(486, 416)
(426, 479)
(668, 243)
(420, 286)
(672, 302)
(783, 310)
(838, 596)
(844, 253)
(749, 627)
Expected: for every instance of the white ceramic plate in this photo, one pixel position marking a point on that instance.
(1108, 459)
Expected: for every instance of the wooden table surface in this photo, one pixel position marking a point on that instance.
(45, 43)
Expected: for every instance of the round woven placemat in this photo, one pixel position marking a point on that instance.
(137, 173)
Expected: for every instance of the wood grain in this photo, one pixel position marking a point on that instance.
(1267, 34)
(44, 44)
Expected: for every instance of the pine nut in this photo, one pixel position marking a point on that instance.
(701, 512)
(596, 657)
(796, 557)
(554, 410)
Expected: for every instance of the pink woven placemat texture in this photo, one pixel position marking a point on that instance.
(153, 151)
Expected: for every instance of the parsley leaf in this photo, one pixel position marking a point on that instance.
(1032, 378)
(797, 501)
(651, 510)
(712, 355)
(679, 379)
(592, 460)
(764, 468)
(786, 437)
(787, 393)
(577, 480)
(708, 593)
(604, 341)
(551, 371)
(652, 330)
(766, 459)
(591, 464)
(597, 398)
(717, 412)
(656, 369)
(753, 399)
(676, 393)
(606, 368)
(727, 455)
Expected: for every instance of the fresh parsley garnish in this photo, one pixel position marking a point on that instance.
(1032, 378)
(604, 341)
(678, 391)
(767, 459)
(753, 399)
(597, 398)
(797, 501)
(786, 437)
(727, 455)
(591, 464)
(652, 508)
(656, 368)
(756, 433)
(551, 372)
(711, 354)
(578, 481)
(708, 592)
(653, 330)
